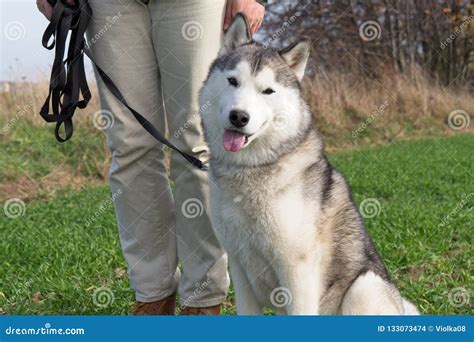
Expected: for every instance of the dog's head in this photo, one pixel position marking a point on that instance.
(251, 104)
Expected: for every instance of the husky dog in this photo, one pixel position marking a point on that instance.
(294, 237)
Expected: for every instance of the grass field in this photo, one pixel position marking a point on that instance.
(63, 251)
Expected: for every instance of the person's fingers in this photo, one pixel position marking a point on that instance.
(45, 8)
(260, 19)
(228, 14)
(255, 16)
(261, 15)
(259, 23)
(250, 19)
(71, 2)
(48, 11)
(252, 10)
(253, 26)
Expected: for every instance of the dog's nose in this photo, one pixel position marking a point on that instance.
(239, 118)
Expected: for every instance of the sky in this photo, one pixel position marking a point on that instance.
(22, 57)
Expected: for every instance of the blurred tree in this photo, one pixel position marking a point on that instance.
(375, 37)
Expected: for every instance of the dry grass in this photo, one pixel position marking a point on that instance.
(25, 100)
(396, 107)
(34, 165)
(415, 106)
(47, 187)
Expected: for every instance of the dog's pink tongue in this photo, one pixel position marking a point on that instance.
(233, 141)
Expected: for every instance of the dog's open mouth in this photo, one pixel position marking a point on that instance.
(233, 140)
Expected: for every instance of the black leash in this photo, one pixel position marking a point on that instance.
(68, 78)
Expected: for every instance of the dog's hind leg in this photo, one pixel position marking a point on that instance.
(369, 294)
(247, 303)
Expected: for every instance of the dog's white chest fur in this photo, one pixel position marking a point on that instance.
(270, 238)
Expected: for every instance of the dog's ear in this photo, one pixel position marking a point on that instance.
(296, 56)
(237, 34)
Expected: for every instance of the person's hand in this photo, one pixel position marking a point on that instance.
(252, 10)
(45, 8)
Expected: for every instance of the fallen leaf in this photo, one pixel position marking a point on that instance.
(120, 272)
(37, 297)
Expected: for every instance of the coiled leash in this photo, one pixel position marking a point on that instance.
(68, 78)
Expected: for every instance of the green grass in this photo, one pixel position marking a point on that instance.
(418, 183)
(32, 151)
(53, 260)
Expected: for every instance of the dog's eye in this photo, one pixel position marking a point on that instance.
(268, 91)
(232, 81)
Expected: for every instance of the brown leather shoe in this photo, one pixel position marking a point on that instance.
(163, 307)
(208, 311)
